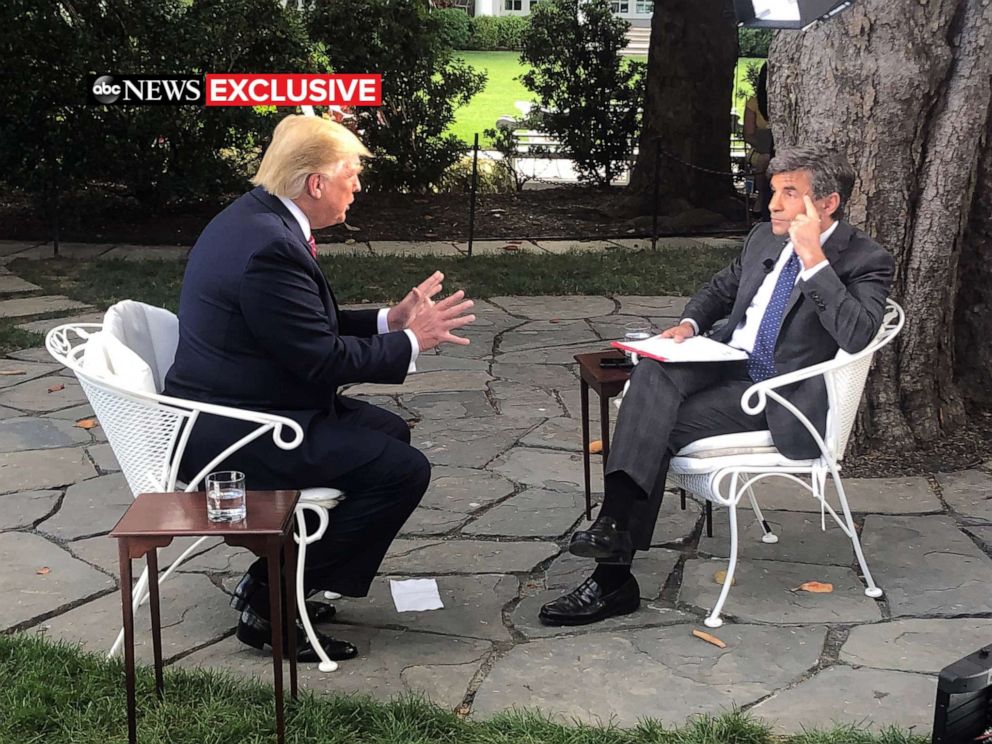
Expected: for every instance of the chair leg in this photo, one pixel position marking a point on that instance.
(873, 590)
(767, 536)
(714, 620)
(709, 519)
(682, 498)
(326, 664)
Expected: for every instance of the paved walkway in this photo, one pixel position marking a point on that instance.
(499, 420)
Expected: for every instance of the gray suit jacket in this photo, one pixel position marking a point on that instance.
(840, 307)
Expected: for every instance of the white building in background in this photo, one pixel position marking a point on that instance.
(636, 12)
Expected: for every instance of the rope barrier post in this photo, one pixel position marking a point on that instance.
(657, 189)
(471, 201)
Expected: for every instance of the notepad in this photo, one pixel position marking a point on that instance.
(693, 349)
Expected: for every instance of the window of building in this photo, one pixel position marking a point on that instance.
(620, 6)
(513, 4)
(645, 8)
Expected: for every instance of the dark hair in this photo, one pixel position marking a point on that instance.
(761, 91)
(829, 172)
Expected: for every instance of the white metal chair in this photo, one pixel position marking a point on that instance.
(148, 433)
(722, 469)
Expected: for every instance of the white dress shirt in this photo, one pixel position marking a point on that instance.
(747, 330)
(382, 322)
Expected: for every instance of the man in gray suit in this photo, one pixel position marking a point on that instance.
(804, 286)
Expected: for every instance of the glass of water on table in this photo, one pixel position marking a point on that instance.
(226, 496)
(636, 331)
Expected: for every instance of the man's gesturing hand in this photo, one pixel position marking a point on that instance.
(805, 233)
(400, 315)
(680, 332)
(433, 324)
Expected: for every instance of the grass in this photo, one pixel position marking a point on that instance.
(666, 271)
(503, 89)
(55, 694)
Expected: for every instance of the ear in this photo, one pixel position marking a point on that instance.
(830, 205)
(313, 185)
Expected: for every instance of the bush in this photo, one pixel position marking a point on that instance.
(422, 85)
(491, 177)
(454, 27)
(54, 143)
(589, 95)
(498, 33)
(753, 42)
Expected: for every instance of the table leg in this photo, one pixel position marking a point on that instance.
(584, 400)
(289, 586)
(123, 549)
(275, 606)
(604, 423)
(152, 558)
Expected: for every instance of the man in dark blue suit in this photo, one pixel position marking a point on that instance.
(259, 328)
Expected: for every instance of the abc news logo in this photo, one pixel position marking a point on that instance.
(163, 90)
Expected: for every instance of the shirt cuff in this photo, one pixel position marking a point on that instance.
(382, 320)
(414, 350)
(690, 321)
(807, 274)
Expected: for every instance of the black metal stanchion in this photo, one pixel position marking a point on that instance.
(471, 201)
(657, 188)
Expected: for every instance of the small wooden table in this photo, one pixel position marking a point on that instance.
(607, 383)
(154, 519)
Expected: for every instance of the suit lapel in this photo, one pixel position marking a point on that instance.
(837, 242)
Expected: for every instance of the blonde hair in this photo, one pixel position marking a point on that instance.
(302, 145)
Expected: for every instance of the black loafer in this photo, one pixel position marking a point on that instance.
(588, 604)
(256, 632)
(319, 612)
(602, 541)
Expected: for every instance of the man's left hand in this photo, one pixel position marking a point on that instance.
(805, 233)
(400, 315)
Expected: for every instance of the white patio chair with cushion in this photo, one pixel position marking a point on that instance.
(121, 366)
(722, 469)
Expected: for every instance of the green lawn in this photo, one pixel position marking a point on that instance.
(53, 694)
(503, 89)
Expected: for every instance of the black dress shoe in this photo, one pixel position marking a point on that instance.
(319, 612)
(602, 541)
(588, 604)
(256, 632)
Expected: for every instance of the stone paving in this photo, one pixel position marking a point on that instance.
(499, 421)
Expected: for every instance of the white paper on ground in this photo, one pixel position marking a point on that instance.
(693, 349)
(415, 595)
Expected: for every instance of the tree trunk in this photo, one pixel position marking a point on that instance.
(904, 90)
(689, 84)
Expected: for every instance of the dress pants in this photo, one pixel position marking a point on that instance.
(667, 406)
(379, 496)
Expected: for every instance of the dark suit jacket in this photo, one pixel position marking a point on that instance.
(259, 328)
(840, 307)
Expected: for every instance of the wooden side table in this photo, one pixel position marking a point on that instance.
(154, 519)
(607, 383)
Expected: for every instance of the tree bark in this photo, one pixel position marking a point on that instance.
(691, 65)
(904, 90)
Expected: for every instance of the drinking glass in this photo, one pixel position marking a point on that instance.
(637, 331)
(226, 496)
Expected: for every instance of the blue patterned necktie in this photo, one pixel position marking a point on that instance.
(761, 363)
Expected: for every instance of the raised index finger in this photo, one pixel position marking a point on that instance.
(433, 280)
(810, 208)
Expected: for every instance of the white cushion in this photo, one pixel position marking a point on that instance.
(326, 497)
(739, 443)
(110, 360)
(150, 332)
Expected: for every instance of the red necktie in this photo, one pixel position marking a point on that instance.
(313, 246)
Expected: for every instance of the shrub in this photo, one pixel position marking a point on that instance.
(454, 27)
(422, 85)
(590, 96)
(491, 177)
(498, 33)
(54, 143)
(753, 42)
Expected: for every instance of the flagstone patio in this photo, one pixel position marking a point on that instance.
(499, 421)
